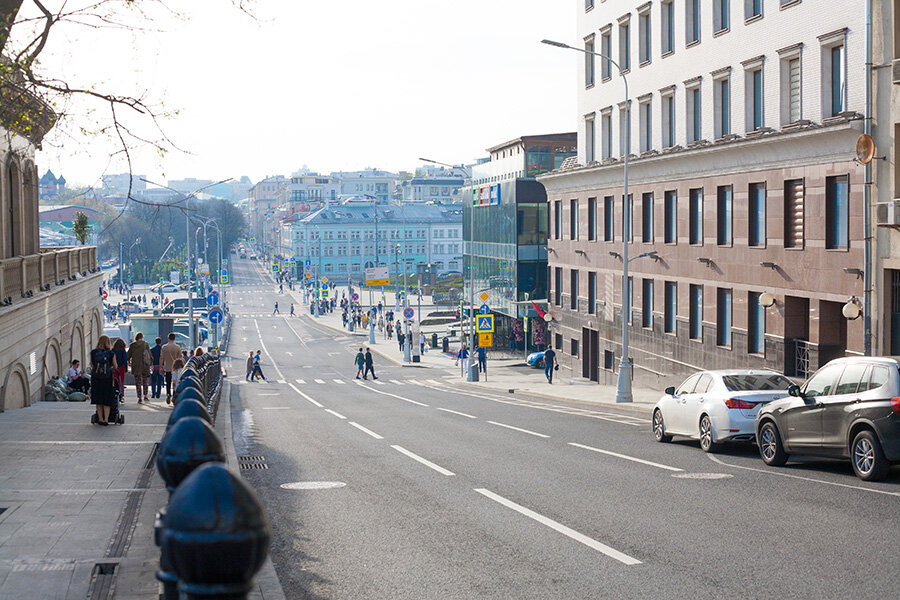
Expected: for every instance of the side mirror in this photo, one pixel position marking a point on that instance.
(794, 391)
(670, 390)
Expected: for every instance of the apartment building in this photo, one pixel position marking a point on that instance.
(741, 124)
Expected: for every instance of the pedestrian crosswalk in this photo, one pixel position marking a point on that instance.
(319, 381)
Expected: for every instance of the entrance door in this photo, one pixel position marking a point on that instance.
(796, 327)
(586, 356)
(894, 302)
(595, 355)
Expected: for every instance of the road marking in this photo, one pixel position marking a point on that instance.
(462, 414)
(427, 463)
(378, 382)
(567, 531)
(263, 345)
(397, 382)
(293, 387)
(413, 382)
(433, 381)
(773, 472)
(319, 380)
(289, 353)
(300, 381)
(275, 394)
(282, 381)
(541, 435)
(631, 458)
(276, 408)
(368, 431)
(337, 414)
(392, 395)
(340, 381)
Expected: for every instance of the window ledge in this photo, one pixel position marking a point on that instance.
(588, 86)
(607, 78)
(625, 71)
(692, 43)
(757, 247)
(841, 249)
(796, 249)
(722, 31)
(667, 53)
(644, 63)
(789, 4)
(670, 243)
(724, 347)
(753, 19)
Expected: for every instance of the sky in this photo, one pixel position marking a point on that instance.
(333, 85)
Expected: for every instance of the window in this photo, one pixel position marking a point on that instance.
(791, 100)
(573, 289)
(756, 325)
(692, 21)
(606, 50)
(833, 64)
(589, 143)
(853, 375)
(837, 218)
(647, 217)
(667, 21)
(592, 293)
(589, 61)
(609, 233)
(592, 219)
(645, 125)
(647, 304)
(557, 220)
(794, 214)
(606, 132)
(588, 4)
(624, 130)
(671, 306)
(722, 99)
(573, 219)
(668, 120)
(629, 299)
(608, 360)
(557, 288)
(721, 21)
(558, 341)
(644, 37)
(754, 100)
(723, 317)
(695, 222)
(822, 383)
(573, 345)
(629, 218)
(696, 312)
(756, 218)
(694, 116)
(624, 43)
(671, 217)
(724, 216)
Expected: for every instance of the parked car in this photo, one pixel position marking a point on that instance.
(252, 257)
(717, 406)
(164, 287)
(536, 360)
(850, 409)
(180, 305)
(132, 307)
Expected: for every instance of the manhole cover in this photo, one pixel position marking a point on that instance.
(313, 485)
(702, 475)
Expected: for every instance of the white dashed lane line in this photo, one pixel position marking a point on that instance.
(626, 457)
(529, 432)
(421, 460)
(367, 431)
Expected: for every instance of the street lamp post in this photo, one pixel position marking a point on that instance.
(130, 262)
(623, 384)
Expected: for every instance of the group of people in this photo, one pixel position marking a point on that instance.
(254, 370)
(463, 356)
(364, 364)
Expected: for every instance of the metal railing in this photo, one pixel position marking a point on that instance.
(209, 370)
(23, 276)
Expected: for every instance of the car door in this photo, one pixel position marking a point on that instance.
(803, 416)
(676, 420)
(694, 404)
(853, 381)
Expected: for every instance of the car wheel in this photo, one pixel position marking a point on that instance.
(659, 427)
(706, 435)
(770, 447)
(868, 459)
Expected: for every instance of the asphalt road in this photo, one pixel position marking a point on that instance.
(445, 492)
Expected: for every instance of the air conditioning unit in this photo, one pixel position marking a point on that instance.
(887, 214)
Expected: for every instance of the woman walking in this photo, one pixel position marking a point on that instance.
(249, 365)
(103, 388)
(122, 366)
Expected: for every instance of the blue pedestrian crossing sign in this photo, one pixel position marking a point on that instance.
(215, 316)
(484, 309)
(402, 296)
(224, 278)
(276, 268)
(484, 323)
(213, 298)
(308, 262)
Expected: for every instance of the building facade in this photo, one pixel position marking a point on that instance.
(439, 190)
(315, 190)
(264, 199)
(741, 126)
(505, 227)
(371, 182)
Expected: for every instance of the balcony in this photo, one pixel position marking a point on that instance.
(24, 276)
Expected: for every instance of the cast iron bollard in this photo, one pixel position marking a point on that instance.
(216, 535)
(445, 347)
(189, 443)
(188, 407)
(191, 393)
(434, 341)
(190, 382)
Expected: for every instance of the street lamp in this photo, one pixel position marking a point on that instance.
(130, 263)
(623, 384)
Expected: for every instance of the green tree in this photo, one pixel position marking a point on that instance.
(80, 227)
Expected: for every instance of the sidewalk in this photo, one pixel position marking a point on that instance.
(78, 502)
(509, 375)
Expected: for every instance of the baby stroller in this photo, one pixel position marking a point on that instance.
(115, 416)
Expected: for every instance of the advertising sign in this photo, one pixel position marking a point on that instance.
(495, 195)
(377, 276)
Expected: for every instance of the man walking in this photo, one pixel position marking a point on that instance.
(140, 359)
(169, 354)
(257, 369)
(369, 367)
(360, 361)
(549, 363)
(275, 312)
(292, 309)
(481, 353)
(156, 370)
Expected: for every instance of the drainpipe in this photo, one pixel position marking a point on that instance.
(867, 204)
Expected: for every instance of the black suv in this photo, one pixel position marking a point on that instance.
(850, 408)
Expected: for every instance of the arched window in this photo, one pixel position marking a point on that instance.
(13, 211)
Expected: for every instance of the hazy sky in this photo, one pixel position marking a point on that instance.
(338, 85)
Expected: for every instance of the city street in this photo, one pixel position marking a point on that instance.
(416, 486)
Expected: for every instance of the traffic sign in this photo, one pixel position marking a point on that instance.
(224, 272)
(308, 262)
(276, 268)
(325, 293)
(216, 316)
(324, 280)
(105, 294)
(484, 309)
(224, 262)
(354, 297)
(308, 275)
(252, 240)
(486, 340)
(484, 296)
(224, 278)
(402, 296)
(484, 323)
(213, 298)
(408, 313)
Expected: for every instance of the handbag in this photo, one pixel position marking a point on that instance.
(556, 368)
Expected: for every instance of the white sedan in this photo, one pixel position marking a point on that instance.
(717, 406)
(164, 288)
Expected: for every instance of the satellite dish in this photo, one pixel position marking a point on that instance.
(865, 149)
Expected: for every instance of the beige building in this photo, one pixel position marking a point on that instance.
(50, 305)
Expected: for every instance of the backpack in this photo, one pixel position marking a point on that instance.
(102, 363)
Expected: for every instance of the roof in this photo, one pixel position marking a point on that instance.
(384, 213)
(45, 208)
(571, 135)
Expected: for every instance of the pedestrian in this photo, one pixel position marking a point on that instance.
(549, 363)
(121, 366)
(462, 359)
(481, 353)
(249, 365)
(369, 367)
(198, 351)
(168, 355)
(400, 337)
(257, 369)
(156, 370)
(380, 323)
(421, 343)
(292, 309)
(275, 312)
(77, 380)
(512, 341)
(177, 368)
(389, 330)
(140, 358)
(103, 387)
(360, 362)
(280, 288)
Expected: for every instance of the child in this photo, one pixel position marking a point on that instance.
(177, 367)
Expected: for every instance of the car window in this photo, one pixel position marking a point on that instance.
(877, 378)
(822, 382)
(704, 384)
(759, 381)
(688, 386)
(850, 379)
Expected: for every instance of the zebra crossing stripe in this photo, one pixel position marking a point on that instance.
(319, 380)
(397, 382)
(340, 381)
(300, 381)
